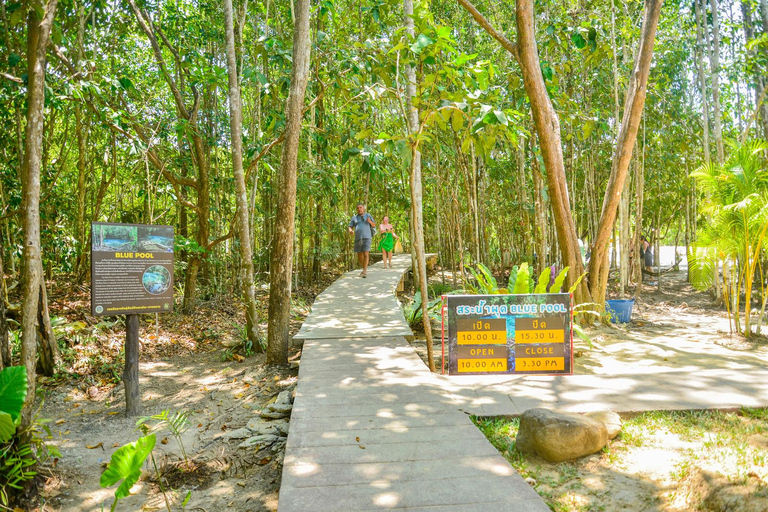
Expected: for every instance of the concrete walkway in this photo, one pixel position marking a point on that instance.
(373, 429)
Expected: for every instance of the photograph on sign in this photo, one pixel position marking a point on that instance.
(131, 269)
(509, 334)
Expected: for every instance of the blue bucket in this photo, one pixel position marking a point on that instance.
(620, 310)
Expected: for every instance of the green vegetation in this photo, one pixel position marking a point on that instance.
(528, 132)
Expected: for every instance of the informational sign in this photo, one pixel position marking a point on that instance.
(131, 269)
(509, 334)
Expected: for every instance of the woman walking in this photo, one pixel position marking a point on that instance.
(387, 244)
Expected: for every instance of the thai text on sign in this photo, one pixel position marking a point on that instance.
(509, 334)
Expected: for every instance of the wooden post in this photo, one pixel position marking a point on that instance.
(131, 371)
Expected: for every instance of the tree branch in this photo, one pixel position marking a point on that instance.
(145, 27)
(506, 43)
(12, 78)
(252, 165)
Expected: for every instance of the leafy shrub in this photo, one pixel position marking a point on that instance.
(414, 314)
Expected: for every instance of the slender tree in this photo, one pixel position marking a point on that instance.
(241, 193)
(714, 64)
(281, 259)
(417, 212)
(38, 35)
(547, 126)
(4, 347)
(702, 82)
(633, 109)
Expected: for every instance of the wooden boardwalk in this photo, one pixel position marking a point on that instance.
(372, 428)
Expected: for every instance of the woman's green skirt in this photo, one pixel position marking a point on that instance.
(387, 243)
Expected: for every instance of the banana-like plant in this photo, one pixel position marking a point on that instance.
(737, 203)
(13, 392)
(125, 465)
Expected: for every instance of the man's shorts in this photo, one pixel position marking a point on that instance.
(362, 245)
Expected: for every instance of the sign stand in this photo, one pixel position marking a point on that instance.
(131, 371)
(131, 274)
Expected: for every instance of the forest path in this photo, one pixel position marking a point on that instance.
(372, 428)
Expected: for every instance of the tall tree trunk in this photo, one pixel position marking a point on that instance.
(80, 129)
(243, 226)
(714, 62)
(540, 215)
(638, 262)
(548, 131)
(624, 228)
(38, 34)
(702, 83)
(4, 345)
(281, 259)
(416, 188)
(633, 109)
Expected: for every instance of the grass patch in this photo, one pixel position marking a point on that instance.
(731, 445)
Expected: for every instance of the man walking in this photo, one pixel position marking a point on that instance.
(363, 226)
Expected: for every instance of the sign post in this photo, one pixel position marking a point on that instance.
(131, 273)
(509, 334)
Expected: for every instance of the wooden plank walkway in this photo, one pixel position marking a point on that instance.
(372, 428)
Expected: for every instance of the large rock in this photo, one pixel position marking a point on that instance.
(259, 426)
(558, 436)
(610, 419)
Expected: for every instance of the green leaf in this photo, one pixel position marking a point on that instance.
(13, 59)
(592, 39)
(13, 390)
(457, 120)
(463, 59)
(588, 128)
(7, 426)
(558, 284)
(576, 284)
(421, 42)
(578, 40)
(523, 280)
(126, 465)
(547, 71)
(581, 333)
(541, 286)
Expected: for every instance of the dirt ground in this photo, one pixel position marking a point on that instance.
(219, 396)
(190, 367)
(184, 369)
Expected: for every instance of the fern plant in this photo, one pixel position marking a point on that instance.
(176, 424)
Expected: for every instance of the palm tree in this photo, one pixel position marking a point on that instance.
(737, 200)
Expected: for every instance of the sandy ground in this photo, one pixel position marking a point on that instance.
(220, 397)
